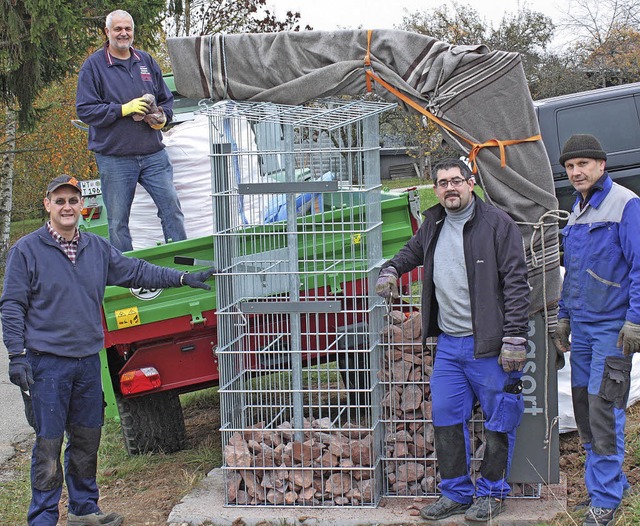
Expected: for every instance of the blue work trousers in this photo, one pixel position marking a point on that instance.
(66, 397)
(600, 383)
(458, 380)
(119, 176)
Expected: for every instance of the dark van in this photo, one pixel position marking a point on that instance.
(612, 115)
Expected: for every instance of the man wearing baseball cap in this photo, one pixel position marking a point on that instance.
(600, 310)
(54, 284)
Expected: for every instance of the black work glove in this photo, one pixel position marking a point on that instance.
(561, 335)
(387, 283)
(196, 280)
(20, 372)
(513, 354)
(629, 338)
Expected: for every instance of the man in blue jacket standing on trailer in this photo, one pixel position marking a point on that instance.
(123, 98)
(600, 309)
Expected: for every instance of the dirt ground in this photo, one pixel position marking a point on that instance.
(147, 498)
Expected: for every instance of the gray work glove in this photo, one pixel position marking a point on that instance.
(196, 280)
(513, 354)
(387, 284)
(629, 338)
(150, 100)
(157, 119)
(561, 335)
(20, 372)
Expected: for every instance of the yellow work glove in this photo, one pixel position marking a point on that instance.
(139, 105)
(156, 120)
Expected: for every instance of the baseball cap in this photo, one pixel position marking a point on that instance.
(63, 180)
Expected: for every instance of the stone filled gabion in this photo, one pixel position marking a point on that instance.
(337, 467)
(410, 466)
(328, 468)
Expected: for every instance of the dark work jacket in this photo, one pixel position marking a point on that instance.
(496, 271)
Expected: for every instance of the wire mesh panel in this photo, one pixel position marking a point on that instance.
(297, 240)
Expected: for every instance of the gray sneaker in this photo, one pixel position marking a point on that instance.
(442, 508)
(587, 502)
(95, 519)
(599, 516)
(484, 509)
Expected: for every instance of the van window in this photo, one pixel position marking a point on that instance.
(614, 122)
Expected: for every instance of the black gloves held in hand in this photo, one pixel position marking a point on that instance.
(20, 372)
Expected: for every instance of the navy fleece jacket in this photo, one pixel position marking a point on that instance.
(52, 305)
(104, 85)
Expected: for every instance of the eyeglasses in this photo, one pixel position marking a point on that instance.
(456, 182)
(61, 201)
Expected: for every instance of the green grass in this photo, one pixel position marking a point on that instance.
(15, 493)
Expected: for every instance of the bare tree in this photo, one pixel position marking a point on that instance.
(203, 17)
(604, 31)
(6, 183)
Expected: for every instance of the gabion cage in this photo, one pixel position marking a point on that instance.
(298, 241)
(410, 464)
(324, 389)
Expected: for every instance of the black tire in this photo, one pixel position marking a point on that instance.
(152, 424)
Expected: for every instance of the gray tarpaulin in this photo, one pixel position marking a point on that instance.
(481, 95)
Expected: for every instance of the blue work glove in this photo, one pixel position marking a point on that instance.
(196, 280)
(629, 338)
(513, 354)
(20, 372)
(387, 284)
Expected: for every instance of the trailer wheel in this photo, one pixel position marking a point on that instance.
(152, 424)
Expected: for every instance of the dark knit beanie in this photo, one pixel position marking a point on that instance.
(582, 145)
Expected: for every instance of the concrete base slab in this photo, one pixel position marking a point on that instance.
(204, 506)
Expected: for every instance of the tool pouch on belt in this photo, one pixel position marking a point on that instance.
(509, 409)
(616, 380)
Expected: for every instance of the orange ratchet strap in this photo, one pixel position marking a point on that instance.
(475, 147)
(367, 60)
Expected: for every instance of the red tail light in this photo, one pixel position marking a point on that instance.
(140, 380)
(91, 212)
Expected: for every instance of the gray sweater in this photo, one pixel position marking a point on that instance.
(450, 275)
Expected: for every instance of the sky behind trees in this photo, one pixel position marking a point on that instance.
(385, 14)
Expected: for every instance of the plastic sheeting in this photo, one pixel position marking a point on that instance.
(188, 148)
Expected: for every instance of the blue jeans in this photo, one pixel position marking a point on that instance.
(458, 380)
(66, 398)
(119, 176)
